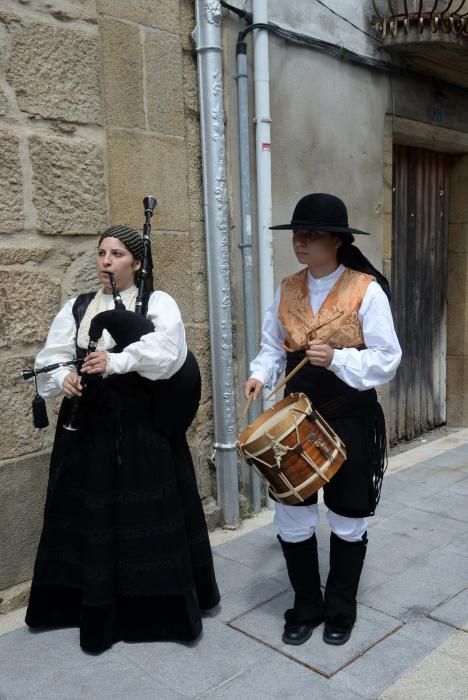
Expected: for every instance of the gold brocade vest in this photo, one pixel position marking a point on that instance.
(336, 323)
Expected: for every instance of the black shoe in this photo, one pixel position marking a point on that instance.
(297, 634)
(336, 635)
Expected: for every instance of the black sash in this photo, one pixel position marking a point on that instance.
(329, 394)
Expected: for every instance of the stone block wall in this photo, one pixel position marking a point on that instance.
(98, 108)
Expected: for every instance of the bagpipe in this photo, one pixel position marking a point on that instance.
(124, 326)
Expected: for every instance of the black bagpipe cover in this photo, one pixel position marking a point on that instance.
(125, 327)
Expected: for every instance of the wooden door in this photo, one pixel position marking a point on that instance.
(419, 290)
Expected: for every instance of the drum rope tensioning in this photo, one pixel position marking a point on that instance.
(299, 453)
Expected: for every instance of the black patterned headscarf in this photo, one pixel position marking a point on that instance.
(129, 237)
(133, 241)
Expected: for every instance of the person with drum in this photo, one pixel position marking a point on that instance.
(335, 311)
(124, 552)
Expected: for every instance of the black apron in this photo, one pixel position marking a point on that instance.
(357, 417)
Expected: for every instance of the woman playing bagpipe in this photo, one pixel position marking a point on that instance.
(124, 552)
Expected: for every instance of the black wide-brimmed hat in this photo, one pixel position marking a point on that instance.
(320, 212)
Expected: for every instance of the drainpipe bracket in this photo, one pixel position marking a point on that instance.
(224, 446)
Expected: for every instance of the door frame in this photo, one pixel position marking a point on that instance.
(408, 132)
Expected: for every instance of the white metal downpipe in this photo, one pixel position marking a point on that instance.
(251, 348)
(263, 161)
(263, 154)
(207, 36)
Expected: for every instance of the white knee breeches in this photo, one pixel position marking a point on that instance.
(298, 523)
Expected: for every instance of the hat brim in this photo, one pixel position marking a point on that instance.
(318, 227)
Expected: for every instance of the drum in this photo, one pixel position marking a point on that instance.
(293, 448)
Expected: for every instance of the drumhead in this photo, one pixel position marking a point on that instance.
(268, 423)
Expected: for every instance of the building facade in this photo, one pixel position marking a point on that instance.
(100, 106)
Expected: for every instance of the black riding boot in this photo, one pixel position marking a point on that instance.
(346, 562)
(303, 569)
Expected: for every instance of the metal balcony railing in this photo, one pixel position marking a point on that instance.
(393, 17)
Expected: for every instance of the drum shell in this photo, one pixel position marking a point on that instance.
(294, 467)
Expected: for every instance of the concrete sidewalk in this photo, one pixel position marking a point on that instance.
(410, 640)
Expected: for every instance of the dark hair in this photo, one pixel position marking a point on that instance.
(350, 256)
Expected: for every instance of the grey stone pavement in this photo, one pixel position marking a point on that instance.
(410, 640)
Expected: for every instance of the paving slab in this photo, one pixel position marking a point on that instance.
(280, 678)
(238, 603)
(449, 504)
(395, 553)
(371, 577)
(111, 676)
(439, 676)
(454, 611)
(428, 480)
(421, 587)
(31, 660)
(265, 623)
(382, 665)
(460, 486)
(455, 458)
(459, 545)
(233, 577)
(259, 551)
(191, 669)
(412, 597)
(423, 526)
(428, 632)
(387, 506)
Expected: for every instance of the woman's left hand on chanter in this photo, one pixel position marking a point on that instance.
(95, 363)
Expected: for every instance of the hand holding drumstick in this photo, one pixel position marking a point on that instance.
(319, 354)
(252, 389)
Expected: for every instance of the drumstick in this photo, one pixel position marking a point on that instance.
(296, 369)
(288, 377)
(247, 404)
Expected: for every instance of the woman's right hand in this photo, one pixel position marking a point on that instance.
(72, 385)
(252, 386)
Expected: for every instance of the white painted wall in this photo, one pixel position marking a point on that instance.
(327, 126)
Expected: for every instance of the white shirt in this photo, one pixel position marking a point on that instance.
(157, 355)
(360, 369)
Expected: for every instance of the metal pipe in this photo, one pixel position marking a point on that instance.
(263, 154)
(263, 159)
(207, 36)
(246, 245)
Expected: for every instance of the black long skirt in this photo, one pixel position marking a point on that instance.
(124, 552)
